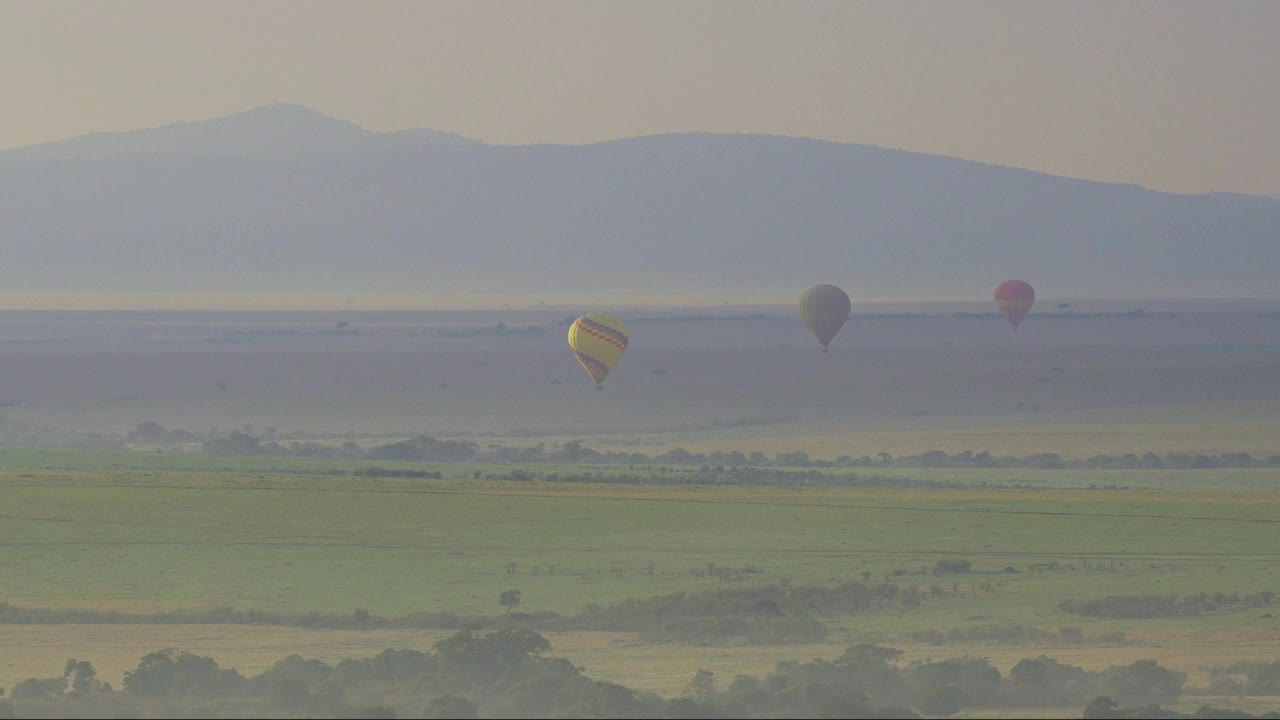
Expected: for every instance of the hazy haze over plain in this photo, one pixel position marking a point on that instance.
(291, 295)
(1174, 96)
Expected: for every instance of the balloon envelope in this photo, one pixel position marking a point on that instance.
(824, 308)
(1015, 298)
(598, 341)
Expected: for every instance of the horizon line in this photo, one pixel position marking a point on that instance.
(352, 302)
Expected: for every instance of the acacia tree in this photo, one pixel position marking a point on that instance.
(81, 678)
(509, 599)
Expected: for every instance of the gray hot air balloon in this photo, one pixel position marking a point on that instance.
(824, 308)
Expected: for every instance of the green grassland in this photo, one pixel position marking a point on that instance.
(147, 531)
(155, 532)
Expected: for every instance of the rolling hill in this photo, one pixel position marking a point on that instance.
(285, 199)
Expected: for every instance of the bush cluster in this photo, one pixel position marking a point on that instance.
(1137, 607)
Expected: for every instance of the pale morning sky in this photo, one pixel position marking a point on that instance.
(1179, 96)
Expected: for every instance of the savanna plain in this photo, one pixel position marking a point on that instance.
(939, 516)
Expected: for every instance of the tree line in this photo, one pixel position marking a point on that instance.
(509, 673)
(777, 613)
(424, 448)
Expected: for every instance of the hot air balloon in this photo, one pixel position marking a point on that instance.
(598, 341)
(1015, 299)
(824, 308)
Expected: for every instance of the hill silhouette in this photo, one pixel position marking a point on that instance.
(286, 199)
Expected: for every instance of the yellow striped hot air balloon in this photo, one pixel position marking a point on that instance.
(598, 341)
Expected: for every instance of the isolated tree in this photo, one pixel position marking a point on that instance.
(703, 686)
(509, 599)
(81, 678)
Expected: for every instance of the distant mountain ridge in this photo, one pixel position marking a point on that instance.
(286, 200)
(268, 131)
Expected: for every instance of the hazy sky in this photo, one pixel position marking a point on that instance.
(1180, 96)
